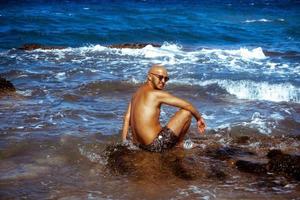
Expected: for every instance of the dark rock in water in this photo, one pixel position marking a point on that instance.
(176, 163)
(30, 47)
(117, 159)
(284, 164)
(279, 163)
(182, 166)
(6, 86)
(133, 45)
(242, 139)
(226, 153)
(251, 167)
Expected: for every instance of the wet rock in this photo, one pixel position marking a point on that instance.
(30, 47)
(183, 166)
(286, 164)
(133, 45)
(226, 153)
(252, 166)
(33, 46)
(242, 139)
(278, 163)
(6, 86)
(176, 163)
(117, 159)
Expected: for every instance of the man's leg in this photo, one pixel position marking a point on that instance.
(180, 123)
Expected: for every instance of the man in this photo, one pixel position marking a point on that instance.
(144, 110)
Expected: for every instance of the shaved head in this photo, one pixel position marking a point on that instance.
(157, 68)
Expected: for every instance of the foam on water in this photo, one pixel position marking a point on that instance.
(263, 20)
(251, 90)
(166, 50)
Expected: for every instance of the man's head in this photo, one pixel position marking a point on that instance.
(158, 76)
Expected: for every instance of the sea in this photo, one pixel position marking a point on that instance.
(236, 61)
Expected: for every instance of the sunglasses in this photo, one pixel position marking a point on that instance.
(161, 77)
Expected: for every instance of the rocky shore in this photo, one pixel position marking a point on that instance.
(33, 46)
(214, 161)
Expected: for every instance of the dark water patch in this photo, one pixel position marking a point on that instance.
(107, 88)
(287, 54)
(291, 126)
(72, 97)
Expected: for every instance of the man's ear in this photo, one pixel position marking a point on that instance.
(149, 78)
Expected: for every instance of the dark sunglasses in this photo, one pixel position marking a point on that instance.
(161, 77)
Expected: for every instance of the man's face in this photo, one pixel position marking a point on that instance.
(159, 79)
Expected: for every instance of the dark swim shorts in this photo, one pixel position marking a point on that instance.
(166, 139)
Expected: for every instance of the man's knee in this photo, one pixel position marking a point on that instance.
(187, 114)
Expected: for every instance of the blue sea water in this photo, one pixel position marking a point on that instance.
(223, 50)
(272, 25)
(237, 61)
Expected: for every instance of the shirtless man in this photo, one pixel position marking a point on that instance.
(144, 110)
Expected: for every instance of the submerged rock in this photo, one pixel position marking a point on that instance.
(286, 164)
(33, 46)
(176, 162)
(197, 164)
(226, 153)
(6, 86)
(252, 166)
(278, 163)
(30, 47)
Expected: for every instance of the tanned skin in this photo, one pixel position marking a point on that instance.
(143, 111)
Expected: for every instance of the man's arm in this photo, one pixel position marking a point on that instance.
(169, 99)
(126, 123)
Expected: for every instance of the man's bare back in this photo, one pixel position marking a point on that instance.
(144, 111)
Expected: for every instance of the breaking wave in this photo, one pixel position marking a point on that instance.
(260, 90)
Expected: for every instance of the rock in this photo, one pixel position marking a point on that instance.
(30, 47)
(226, 153)
(242, 139)
(117, 159)
(132, 45)
(278, 163)
(33, 46)
(285, 164)
(252, 166)
(6, 86)
(141, 164)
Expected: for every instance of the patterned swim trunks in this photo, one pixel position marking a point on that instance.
(166, 139)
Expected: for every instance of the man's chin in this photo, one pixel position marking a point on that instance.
(161, 87)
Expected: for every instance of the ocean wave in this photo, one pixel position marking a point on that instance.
(251, 90)
(168, 53)
(244, 89)
(263, 20)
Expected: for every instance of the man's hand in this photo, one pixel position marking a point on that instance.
(201, 125)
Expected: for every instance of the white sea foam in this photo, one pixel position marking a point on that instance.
(25, 93)
(251, 90)
(60, 76)
(168, 53)
(257, 20)
(243, 53)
